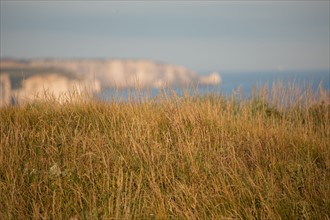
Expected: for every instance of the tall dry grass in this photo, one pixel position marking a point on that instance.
(189, 157)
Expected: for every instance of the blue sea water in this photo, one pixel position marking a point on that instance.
(244, 82)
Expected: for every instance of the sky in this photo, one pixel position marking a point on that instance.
(201, 35)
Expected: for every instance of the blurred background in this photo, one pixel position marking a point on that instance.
(105, 44)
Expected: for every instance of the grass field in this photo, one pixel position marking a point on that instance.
(190, 157)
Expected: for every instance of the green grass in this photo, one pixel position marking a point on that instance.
(189, 157)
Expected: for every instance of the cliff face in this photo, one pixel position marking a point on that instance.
(5, 90)
(52, 85)
(98, 74)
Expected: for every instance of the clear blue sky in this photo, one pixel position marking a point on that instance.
(216, 35)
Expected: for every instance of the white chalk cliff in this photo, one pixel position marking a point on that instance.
(98, 74)
(128, 73)
(5, 90)
(52, 86)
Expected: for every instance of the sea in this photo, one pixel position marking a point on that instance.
(242, 82)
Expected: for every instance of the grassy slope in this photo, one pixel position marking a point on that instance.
(181, 157)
